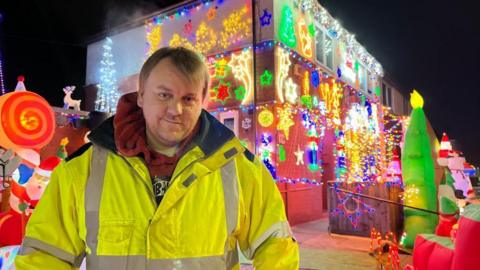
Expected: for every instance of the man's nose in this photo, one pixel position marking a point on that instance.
(175, 107)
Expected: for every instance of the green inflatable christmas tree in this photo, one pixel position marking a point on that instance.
(418, 175)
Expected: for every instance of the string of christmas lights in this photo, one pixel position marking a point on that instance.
(108, 95)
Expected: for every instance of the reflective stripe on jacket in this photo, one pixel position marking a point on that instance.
(218, 196)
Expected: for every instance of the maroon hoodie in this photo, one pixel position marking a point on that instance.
(130, 137)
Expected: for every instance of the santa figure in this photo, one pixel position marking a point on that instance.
(22, 201)
(445, 149)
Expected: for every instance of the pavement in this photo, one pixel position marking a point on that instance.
(320, 250)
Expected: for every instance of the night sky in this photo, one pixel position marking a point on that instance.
(433, 46)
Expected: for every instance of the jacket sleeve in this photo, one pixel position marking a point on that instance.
(52, 239)
(265, 235)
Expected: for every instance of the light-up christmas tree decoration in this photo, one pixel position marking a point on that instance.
(2, 83)
(287, 29)
(108, 95)
(206, 38)
(418, 171)
(154, 37)
(236, 27)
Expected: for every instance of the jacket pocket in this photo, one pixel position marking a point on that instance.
(114, 237)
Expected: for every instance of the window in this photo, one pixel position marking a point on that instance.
(319, 45)
(362, 77)
(230, 123)
(230, 120)
(386, 95)
(323, 47)
(389, 94)
(328, 45)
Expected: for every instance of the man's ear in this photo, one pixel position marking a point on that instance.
(140, 98)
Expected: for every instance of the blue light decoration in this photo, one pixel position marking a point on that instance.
(265, 151)
(344, 203)
(332, 33)
(266, 18)
(315, 78)
(303, 181)
(108, 95)
(312, 155)
(339, 72)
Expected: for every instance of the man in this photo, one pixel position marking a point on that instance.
(163, 185)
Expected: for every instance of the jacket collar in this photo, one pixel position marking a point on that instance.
(211, 136)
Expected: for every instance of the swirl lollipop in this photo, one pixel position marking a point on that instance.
(27, 120)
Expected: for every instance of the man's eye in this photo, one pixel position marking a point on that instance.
(163, 95)
(189, 99)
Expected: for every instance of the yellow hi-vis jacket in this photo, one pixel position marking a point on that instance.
(100, 204)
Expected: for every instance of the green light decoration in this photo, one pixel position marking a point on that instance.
(357, 65)
(418, 175)
(244, 143)
(266, 78)
(315, 101)
(311, 30)
(449, 179)
(281, 153)
(378, 91)
(307, 101)
(363, 99)
(240, 92)
(287, 29)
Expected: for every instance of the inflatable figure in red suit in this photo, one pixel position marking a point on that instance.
(23, 200)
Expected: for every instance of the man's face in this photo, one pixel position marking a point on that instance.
(171, 105)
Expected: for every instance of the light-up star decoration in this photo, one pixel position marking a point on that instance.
(240, 92)
(285, 120)
(299, 155)
(265, 18)
(266, 78)
(222, 91)
(291, 93)
(242, 69)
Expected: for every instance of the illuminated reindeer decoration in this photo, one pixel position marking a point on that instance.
(68, 101)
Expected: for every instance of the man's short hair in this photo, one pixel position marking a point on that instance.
(188, 62)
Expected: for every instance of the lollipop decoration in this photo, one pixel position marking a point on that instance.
(27, 120)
